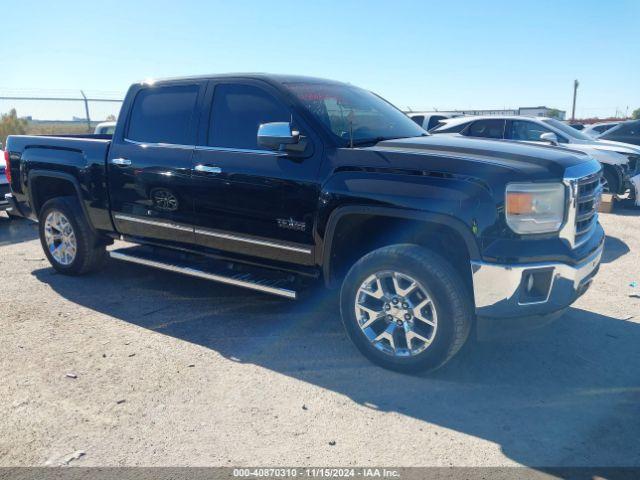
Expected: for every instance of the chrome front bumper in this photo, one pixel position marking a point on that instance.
(503, 290)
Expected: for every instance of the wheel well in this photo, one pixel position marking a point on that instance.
(616, 175)
(46, 188)
(357, 234)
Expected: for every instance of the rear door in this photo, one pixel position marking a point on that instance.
(150, 162)
(250, 200)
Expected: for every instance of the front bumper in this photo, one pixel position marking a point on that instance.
(531, 290)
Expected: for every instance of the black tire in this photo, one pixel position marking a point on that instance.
(612, 185)
(91, 250)
(446, 288)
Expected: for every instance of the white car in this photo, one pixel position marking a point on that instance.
(105, 128)
(596, 129)
(620, 161)
(429, 120)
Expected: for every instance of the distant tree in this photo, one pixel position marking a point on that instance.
(10, 124)
(110, 118)
(636, 114)
(555, 113)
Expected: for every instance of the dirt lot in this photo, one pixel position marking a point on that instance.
(177, 371)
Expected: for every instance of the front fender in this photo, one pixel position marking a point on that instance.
(463, 205)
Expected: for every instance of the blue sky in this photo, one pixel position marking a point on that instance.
(422, 54)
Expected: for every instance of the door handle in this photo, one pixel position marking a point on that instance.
(121, 161)
(207, 169)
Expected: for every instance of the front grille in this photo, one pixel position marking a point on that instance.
(587, 202)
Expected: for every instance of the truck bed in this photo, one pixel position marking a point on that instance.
(80, 159)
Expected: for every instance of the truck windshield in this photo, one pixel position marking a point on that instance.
(344, 109)
(566, 129)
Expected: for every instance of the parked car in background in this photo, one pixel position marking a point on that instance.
(286, 181)
(627, 132)
(596, 129)
(577, 126)
(429, 120)
(621, 161)
(4, 184)
(105, 128)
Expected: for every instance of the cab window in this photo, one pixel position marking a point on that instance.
(238, 111)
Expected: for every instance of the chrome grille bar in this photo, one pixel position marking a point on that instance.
(584, 188)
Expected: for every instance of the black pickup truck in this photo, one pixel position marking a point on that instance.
(275, 182)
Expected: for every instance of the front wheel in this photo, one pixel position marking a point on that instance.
(68, 242)
(406, 308)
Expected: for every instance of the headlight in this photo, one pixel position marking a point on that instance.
(535, 207)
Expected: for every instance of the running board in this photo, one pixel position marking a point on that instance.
(252, 281)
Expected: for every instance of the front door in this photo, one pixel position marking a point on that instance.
(528, 131)
(150, 163)
(247, 199)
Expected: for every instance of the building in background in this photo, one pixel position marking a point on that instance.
(542, 112)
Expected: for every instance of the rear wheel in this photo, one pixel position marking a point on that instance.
(405, 308)
(68, 242)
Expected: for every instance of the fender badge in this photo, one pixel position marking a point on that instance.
(291, 224)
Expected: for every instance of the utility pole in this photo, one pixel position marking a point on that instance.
(575, 92)
(86, 109)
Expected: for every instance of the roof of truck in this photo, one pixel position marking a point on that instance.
(270, 77)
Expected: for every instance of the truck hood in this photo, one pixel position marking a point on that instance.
(535, 160)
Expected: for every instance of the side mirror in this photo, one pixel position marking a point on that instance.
(550, 137)
(276, 135)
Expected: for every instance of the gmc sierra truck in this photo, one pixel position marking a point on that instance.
(275, 182)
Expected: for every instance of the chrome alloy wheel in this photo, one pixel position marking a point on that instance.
(60, 238)
(396, 314)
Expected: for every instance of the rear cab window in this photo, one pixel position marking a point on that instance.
(163, 115)
(419, 119)
(434, 121)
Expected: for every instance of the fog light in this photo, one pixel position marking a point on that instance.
(535, 285)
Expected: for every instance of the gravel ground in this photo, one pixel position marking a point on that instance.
(133, 366)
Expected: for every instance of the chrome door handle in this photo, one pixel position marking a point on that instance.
(121, 161)
(207, 169)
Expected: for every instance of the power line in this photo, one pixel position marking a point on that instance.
(64, 99)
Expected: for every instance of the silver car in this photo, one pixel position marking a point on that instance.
(620, 161)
